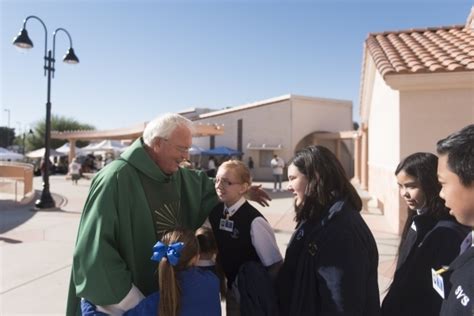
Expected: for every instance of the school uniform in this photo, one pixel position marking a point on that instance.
(242, 235)
(199, 290)
(207, 264)
(420, 226)
(461, 297)
(411, 292)
(330, 267)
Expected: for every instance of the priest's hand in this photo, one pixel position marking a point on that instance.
(257, 194)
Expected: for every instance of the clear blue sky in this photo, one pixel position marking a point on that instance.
(139, 59)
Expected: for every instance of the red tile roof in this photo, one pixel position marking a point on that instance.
(430, 50)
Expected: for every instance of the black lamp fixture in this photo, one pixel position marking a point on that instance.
(25, 134)
(22, 40)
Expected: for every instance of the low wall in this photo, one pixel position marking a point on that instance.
(17, 179)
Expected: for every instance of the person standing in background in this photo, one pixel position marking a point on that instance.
(75, 170)
(250, 164)
(211, 167)
(277, 169)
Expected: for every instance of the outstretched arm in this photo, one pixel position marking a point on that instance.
(257, 194)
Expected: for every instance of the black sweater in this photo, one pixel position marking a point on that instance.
(411, 292)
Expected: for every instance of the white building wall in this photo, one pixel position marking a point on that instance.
(283, 123)
(322, 116)
(268, 124)
(430, 115)
(405, 122)
(325, 115)
(384, 149)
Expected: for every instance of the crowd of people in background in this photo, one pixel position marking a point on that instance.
(80, 165)
(151, 201)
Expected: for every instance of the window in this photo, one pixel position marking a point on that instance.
(265, 156)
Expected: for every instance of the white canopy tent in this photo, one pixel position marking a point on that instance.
(195, 155)
(66, 148)
(106, 145)
(39, 153)
(8, 155)
(195, 150)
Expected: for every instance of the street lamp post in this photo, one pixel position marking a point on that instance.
(24, 136)
(22, 40)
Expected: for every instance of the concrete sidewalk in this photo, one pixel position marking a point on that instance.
(36, 247)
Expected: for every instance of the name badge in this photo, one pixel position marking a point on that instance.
(226, 225)
(438, 282)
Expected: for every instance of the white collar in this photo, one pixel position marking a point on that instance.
(235, 207)
(421, 211)
(472, 238)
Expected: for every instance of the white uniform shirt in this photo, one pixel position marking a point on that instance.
(262, 236)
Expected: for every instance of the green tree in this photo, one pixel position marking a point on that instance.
(58, 123)
(6, 136)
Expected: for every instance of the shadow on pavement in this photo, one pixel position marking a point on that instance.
(10, 240)
(13, 215)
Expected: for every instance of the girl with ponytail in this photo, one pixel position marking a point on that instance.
(184, 289)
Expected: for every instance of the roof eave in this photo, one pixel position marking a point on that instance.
(431, 81)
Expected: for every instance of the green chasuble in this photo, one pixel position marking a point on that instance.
(121, 222)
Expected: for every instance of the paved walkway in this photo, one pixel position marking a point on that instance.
(36, 247)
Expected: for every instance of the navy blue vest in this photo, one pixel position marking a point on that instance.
(235, 248)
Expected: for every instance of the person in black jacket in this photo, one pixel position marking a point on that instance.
(330, 267)
(430, 239)
(456, 175)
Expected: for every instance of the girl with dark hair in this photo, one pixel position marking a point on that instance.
(207, 256)
(430, 239)
(330, 266)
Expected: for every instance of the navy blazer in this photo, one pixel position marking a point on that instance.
(330, 267)
(460, 301)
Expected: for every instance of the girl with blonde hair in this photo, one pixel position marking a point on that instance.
(241, 232)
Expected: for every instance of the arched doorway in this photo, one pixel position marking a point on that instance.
(340, 143)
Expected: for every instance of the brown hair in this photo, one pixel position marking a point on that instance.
(207, 242)
(327, 183)
(208, 245)
(170, 292)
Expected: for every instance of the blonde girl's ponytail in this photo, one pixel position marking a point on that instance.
(175, 252)
(169, 289)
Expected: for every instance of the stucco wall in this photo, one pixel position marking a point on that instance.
(285, 122)
(404, 122)
(429, 115)
(384, 148)
(261, 125)
(330, 116)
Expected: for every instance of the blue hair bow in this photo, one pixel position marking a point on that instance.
(172, 252)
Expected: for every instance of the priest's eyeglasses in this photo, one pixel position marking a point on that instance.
(181, 149)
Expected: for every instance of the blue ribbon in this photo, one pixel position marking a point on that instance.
(172, 252)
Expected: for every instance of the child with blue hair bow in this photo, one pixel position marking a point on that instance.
(184, 289)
